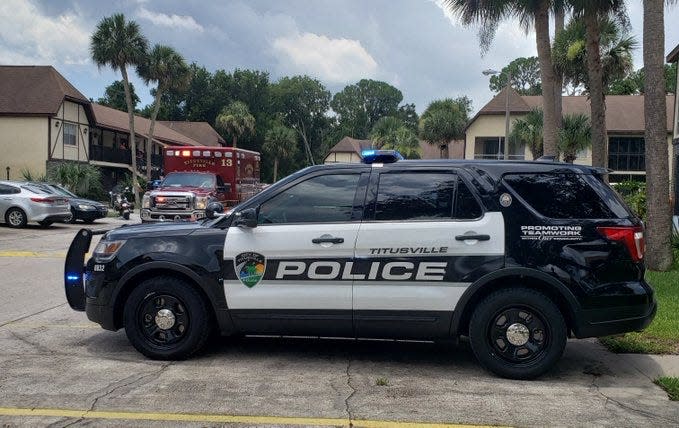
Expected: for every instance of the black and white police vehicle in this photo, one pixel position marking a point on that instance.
(517, 256)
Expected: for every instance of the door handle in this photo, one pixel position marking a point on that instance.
(330, 239)
(472, 237)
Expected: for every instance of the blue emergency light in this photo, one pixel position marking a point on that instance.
(380, 156)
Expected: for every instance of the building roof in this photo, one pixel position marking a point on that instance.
(110, 118)
(674, 55)
(351, 145)
(199, 131)
(34, 90)
(624, 113)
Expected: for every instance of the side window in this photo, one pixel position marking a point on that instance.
(415, 196)
(559, 195)
(466, 206)
(322, 199)
(8, 190)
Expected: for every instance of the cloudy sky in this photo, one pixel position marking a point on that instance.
(412, 44)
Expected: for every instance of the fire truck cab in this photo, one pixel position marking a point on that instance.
(196, 176)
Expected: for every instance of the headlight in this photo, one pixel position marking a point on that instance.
(107, 250)
(201, 202)
(146, 201)
(86, 207)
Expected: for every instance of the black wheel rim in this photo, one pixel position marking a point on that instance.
(157, 326)
(518, 334)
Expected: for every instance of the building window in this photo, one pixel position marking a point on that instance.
(626, 154)
(70, 134)
(494, 148)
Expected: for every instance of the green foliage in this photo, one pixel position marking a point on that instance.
(392, 133)
(634, 195)
(118, 43)
(445, 120)
(361, 105)
(409, 116)
(236, 120)
(114, 96)
(670, 385)
(27, 175)
(280, 144)
(662, 335)
(575, 135)
(165, 67)
(80, 178)
(616, 48)
(382, 381)
(525, 74)
(527, 132)
(633, 83)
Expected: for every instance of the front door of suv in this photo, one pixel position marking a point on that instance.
(287, 275)
(424, 239)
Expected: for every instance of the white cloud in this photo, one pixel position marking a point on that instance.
(29, 37)
(174, 21)
(333, 60)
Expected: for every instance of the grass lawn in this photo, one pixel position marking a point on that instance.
(669, 384)
(662, 336)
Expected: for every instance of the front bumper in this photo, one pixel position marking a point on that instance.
(88, 215)
(170, 215)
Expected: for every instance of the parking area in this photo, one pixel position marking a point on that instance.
(58, 368)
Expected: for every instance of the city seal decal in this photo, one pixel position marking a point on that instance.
(250, 268)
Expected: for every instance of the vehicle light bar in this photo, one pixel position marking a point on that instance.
(380, 156)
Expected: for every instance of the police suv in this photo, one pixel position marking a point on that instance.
(517, 256)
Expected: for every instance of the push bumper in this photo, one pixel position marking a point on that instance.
(101, 314)
(155, 216)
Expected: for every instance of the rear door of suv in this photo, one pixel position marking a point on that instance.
(424, 239)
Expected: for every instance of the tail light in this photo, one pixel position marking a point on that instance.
(631, 236)
(43, 200)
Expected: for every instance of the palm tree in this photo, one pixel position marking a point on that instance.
(167, 67)
(280, 143)
(530, 13)
(118, 43)
(236, 120)
(527, 132)
(659, 214)
(576, 135)
(384, 130)
(405, 142)
(592, 12)
(443, 121)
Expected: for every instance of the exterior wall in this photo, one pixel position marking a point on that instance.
(489, 126)
(72, 114)
(676, 111)
(342, 157)
(24, 146)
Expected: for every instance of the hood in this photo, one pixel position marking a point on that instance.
(171, 189)
(150, 230)
(76, 201)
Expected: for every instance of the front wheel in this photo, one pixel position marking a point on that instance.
(166, 319)
(517, 333)
(16, 217)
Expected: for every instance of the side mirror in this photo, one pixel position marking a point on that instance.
(246, 218)
(213, 209)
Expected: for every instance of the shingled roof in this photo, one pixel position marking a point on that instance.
(351, 145)
(34, 90)
(624, 113)
(110, 118)
(199, 131)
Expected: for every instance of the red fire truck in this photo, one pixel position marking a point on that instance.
(196, 176)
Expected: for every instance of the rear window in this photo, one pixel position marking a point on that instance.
(561, 195)
(36, 189)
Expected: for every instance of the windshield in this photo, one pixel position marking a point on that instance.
(187, 179)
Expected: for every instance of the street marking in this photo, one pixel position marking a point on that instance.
(37, 254)
(218, 418)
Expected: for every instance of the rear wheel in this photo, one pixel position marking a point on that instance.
(16, 217)
(166, 319)
(517, 333)
(126, 215)
(72, 218)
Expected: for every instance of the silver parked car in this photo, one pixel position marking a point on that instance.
(21, 203)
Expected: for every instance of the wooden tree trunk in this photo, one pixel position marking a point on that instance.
(559, 19)
(659, 215)
(275, 169)
(547, 75)
(152, 126)
(234, 141)
(596, 92)
(133, 141)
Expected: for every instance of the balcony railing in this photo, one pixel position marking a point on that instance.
(108, 154)
(497, 156)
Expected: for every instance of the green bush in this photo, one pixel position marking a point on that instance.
(634, 194)
(80, 178)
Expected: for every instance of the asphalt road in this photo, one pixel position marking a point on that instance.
(58, 369)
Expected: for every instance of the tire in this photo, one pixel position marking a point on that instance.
(508, 320)
(73, 218)
(45, 224)
(16, 218)
(88, 221)
(191, 322)
(126, 216)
